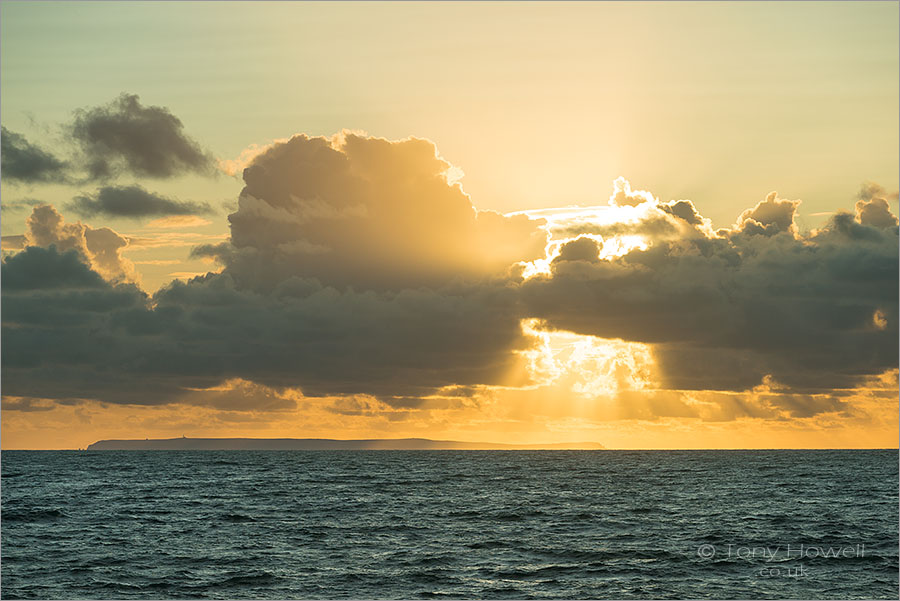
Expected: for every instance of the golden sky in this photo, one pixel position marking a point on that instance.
(646, 225)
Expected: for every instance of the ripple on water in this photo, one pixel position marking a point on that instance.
(448, 524)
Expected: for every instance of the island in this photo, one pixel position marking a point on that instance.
(323, 444)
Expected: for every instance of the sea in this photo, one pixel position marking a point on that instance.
(453, 524)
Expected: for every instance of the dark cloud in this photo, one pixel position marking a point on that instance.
(724, 311)
(81, 336)
(57, 329)
(355, 267)
(875, 212)
(352, 269)
(683, 209)
(26, 404)
(145, 141)
(579, 249)
(38, 268)
(134, 202)
(22, 161)
(23, 204)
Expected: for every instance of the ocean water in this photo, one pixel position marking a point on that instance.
(456, 524)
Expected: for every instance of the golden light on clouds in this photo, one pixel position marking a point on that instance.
(591, 367)
(178, 221)
(516, 416)
(362, 293)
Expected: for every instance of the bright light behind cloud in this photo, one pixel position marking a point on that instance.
(588, 366)
(626, 207)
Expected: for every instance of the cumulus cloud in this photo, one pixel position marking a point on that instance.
(100, 247)
(374, 214)
(354, 267)
(119, 346)
(724, 310)
(358, 268)
(22, 161)
(769, 217)
(582, 248)
(624, 196)
(58, 329)
(134, 202)
(684, 210)
(38, 269)
(630, 214)
(125, 136)
(237, 165)
(873, 208)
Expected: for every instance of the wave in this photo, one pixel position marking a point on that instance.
(32, 515)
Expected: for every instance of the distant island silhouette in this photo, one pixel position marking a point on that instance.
(322, 444)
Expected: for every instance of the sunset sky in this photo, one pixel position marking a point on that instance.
(649, 225)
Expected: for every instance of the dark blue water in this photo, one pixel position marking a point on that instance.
(469, 524)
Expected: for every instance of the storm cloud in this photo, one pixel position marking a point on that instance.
(133, 202)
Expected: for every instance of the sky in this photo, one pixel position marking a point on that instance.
(648, 225)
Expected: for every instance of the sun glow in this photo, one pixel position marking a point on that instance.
(626, 207)
(610, 248)
(588, 366)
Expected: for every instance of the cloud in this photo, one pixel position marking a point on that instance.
(242, 395)
(579, 249)
(351, 269)
(115, 344)
(13, 242)
(59, 333)
(125, 136)
(375, 214)
(873, 209)
(23, 204)
(724, 310)
(178, 221)
(22, 161)
(769, 217)
(624, 196)
(357, 269)
(26, 404)
(38, 268)
(870, 190)
(133, 202)
(236, 166)
(172, 240)
(100, 248)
